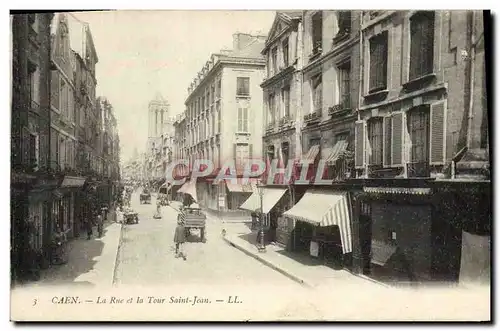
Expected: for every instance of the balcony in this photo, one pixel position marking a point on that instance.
(313, 117)
(270, 126)
(341, 108)
(285, 121)
(316, 51)
(418, 170)
(375, 13)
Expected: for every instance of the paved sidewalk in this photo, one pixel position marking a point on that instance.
(90, 262)
(298, 268)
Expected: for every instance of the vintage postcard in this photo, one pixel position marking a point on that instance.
(287, 165)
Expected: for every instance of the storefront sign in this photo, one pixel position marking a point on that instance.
(73, 181)
(397, 190)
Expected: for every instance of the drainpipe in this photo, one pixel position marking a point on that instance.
(471, 49)
(360, 91)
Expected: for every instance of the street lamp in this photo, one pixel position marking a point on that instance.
(261, 244)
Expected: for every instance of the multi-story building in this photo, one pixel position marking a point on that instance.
(75, 134)
(422, 147)
(282, 89)
(223, 117)
(110, 150)
(312, 92)
(31, 182)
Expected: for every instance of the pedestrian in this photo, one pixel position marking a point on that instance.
(119, 215)
(100, 224)
(88, 225)
(180, 239)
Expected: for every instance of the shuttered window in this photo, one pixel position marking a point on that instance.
(418, 128)
(375, 137)
(437, 132)
(285, 152)
(317, 31)
(378, 62)
(317, 92)
(285, 94)
(397, 139)
(359, 143)
(54, 89)
(243, 120)
(422, 44)
(387, 141)
(284, 46)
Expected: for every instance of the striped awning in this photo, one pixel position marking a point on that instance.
(242, 185)
(311, 154)
(325, 208)
(338, 149)
(270, 198)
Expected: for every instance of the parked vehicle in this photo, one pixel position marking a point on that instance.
(163, 193)
(130, 217)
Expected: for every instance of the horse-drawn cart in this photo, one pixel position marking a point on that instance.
(193, 218)
(130, 217)
(145, 197)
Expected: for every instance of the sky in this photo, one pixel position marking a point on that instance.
(144, 52)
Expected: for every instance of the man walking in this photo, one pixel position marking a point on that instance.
(179, 239)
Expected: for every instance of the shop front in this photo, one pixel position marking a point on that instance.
(270, 203)
(401, 237)
(322, 225)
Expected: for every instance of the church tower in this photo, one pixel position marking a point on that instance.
(157, 114)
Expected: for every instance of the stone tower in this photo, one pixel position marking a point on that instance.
(157, 114)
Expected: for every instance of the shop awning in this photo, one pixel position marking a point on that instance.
(247, 185)
(311, 155)
(189, 187)
(381, 252)
(325, 208)
(270, 198)
(337, 151)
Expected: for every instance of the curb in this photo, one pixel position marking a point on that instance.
(115, 264)
(269, 264)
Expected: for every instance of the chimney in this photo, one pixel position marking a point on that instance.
(240, 40)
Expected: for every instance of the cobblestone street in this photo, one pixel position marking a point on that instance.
(147, 255)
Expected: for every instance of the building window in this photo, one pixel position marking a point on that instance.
(285, 97)
(378, 62)
(213, 122)
(270, 152)
(419, 129)
(31, 86)
(243, 86)
(274, 59)
(219, 88)
(344, 22)
(285, 152)
(272, 108)
(218, 117)
(344, 84)
(285, 52)
(317, 32)
(317, 93)
(243, 120)
(242, 154)
(422, 44)
(314, 142)
(375, 136)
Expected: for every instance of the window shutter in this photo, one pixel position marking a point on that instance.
(53, 148)
(25, 147)
(359, 144)
(54, 90)
(438, 133)
(397, 139)
(235, 150)
(387, 141)
(250, 151)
